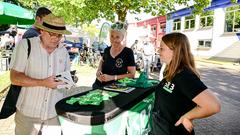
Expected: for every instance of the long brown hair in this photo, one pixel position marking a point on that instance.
(182, 56)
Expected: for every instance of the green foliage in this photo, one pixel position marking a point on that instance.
(233, 19)
(199, 5)
(4, 27)
(207, 13)
(234, 1)
(85, 11)
(91, 30)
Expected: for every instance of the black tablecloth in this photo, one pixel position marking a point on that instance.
(99, 114)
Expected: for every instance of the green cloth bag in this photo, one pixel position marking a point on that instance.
(142, 81)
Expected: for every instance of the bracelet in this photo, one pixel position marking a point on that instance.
(115, 77)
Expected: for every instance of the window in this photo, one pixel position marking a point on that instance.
(154, 29)
(206, 20)
(205, 43)
(189, 22)
(232, 19)
(162, 28)
(176, 24)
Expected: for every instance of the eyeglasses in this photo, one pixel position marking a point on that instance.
(54, 34)
(119, 26)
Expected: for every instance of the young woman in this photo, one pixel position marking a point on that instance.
(117, 61)
(181, 96)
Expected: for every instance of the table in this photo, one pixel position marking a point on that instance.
(126, 112)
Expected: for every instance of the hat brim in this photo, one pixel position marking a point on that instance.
(64, 32)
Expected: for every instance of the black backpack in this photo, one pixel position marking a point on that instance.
(9, 105)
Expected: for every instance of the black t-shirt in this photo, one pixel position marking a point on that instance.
(117, 65)
(173, 99)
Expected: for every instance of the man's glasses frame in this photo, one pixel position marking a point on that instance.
(51, 34)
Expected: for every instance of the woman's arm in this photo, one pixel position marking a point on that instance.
(99, 70)
(129, 74)
(207, 105)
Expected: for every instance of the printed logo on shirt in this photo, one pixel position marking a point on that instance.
(169, 87)
(119, 63)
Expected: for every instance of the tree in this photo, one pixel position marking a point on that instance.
(86, 11)
(232, 19)
(91, 30)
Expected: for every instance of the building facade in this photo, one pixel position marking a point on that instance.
(214, 34)
(153, 28)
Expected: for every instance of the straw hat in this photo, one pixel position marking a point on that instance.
(54, 24)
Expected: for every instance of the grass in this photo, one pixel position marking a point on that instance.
(84, 69)
(85, 73)
(4, 83)
(4, 80)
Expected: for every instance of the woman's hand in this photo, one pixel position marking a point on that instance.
(186, 123)
(98, 74)
(106, 77)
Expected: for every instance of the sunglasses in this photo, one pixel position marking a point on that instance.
(119, 26)
(54, 34)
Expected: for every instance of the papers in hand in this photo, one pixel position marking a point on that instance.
(66, 78)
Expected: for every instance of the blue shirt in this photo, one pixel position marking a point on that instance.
(32, 32)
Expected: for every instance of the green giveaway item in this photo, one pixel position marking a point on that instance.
(142, 81)
(92, 98)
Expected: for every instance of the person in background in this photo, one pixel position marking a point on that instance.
(101, 47)
(134, 46)
(18, 38)
(117, 61)
(181, 96)
(7, 41)
(0, 41)
(148, 53)
(37, 76)
(13, 31)
(34, 32)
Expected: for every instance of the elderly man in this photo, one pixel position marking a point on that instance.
(36, 74)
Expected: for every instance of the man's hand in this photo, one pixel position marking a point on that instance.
(51, 82)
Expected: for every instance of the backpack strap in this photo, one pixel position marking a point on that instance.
(29, 47)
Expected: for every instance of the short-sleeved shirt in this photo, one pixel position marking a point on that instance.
(117, 65)
(39, 102)
(148, 49)
(173, 99)
(31, 32)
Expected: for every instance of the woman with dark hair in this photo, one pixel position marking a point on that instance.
(117, 61)
(181, 96)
